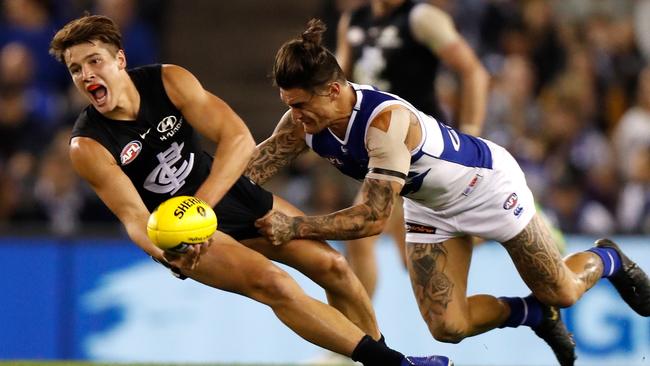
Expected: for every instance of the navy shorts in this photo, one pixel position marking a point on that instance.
(244, 203)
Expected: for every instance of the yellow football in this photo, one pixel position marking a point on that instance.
(181, 221)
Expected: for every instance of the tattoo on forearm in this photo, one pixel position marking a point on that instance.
(273, 154)
(354, 222)
(432, 287)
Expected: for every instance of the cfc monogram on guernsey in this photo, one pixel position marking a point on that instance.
(168, 176)
(159, 151)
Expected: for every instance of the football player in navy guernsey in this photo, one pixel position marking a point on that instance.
(454, 186)
(136, 145)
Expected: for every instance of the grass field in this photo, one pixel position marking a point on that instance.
(78, 363)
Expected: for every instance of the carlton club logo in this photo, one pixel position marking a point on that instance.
(130, 152)
(170, 174)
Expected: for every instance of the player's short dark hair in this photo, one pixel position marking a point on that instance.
(304, 62)
(86, 29)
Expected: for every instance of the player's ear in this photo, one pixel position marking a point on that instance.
(334, 89)
(121, 59)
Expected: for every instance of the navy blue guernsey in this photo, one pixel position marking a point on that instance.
(385, 54)
(159, 151)
(161, 154)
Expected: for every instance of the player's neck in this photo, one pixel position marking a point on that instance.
(344, 106)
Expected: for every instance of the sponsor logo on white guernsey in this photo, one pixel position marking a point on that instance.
(130, 152)
(169, 176)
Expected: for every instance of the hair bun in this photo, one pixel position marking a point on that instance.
(314, 33)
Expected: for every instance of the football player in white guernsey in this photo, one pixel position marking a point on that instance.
(374, 43)
(454, 186)
(124, 105)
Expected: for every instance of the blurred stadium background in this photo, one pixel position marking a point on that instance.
(570, 98)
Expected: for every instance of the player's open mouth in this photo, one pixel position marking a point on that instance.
(98, 93)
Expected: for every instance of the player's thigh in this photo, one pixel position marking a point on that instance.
(538, 259)
(438, 273)
(311, 257)
(228, 265)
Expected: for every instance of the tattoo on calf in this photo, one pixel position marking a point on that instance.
(591, 273)
(433, 289)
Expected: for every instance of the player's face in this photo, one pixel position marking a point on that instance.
(95, 71)
(313, 110)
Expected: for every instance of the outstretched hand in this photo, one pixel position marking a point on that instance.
(189, 259)
(277, 227)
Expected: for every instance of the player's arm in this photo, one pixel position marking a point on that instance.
(388, 167)
(284, 145)
(435, 29)
(98, 167)
(215, 120)
(343, 50)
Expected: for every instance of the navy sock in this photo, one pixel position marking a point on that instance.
(611, 260)
(523, 311)
(375, 353)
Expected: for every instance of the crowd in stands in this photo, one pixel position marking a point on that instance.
(38, 106)
(569, 97)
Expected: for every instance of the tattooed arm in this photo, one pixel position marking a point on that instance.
(358, 221)
(284, 145)
(389, 162)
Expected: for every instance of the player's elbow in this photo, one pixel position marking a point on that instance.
(246, 142)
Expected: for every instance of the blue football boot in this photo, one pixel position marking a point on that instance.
(427, 361)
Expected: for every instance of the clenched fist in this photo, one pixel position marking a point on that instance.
(277, 227)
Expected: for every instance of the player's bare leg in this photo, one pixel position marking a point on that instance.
(561, 282)
(554, 281)
(328, 268)
(361, 253)
(363, 260)
(438, 273)
(439, 277)
(230, 266)
(397, 230)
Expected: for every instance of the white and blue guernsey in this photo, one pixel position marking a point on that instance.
(442, 165)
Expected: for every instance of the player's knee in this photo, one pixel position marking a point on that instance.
(272, 285)
(333, 268)
(449, 331)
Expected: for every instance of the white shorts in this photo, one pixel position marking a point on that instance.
(499, 207)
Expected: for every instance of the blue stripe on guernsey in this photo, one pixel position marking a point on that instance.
(464, 149)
